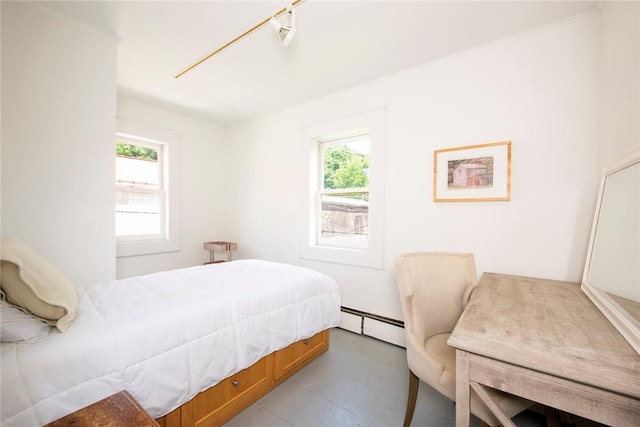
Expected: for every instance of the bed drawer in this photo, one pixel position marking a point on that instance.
(290, 359)
(218, 404)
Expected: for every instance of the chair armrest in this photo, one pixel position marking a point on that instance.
(467, 294)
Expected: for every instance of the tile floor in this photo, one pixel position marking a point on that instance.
(360, 381)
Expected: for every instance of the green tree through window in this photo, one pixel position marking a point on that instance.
(345, 168)
(136, 151)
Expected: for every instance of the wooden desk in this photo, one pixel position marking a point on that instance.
(117, 410)
(545, 341)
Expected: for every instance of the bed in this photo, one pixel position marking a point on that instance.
(193, 346)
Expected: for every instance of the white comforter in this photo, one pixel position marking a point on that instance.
(164, 337)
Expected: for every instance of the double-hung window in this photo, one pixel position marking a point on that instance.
(344, 202)
(140, 192)
(147, 190)
(343, 192)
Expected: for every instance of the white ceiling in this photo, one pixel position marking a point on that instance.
(337, 44)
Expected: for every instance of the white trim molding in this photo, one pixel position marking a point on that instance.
(171, 140)
(371, 256)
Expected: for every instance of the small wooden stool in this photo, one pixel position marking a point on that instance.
(219, 246)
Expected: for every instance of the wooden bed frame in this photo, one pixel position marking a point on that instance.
(220, 403)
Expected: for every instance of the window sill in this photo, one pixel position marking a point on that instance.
(368, 258)
(149, 247)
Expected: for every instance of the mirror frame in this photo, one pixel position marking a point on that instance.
(628, 326)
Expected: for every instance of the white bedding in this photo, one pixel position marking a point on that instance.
(164, 337)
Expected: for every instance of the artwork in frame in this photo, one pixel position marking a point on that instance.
(473, 173)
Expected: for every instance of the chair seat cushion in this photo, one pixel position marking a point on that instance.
(445, 355)
(434, 362)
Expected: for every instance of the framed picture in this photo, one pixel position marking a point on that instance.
(474, 173)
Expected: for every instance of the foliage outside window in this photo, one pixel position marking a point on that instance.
(136, 151)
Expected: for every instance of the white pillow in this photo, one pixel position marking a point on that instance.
(20, 326)
(35, 285)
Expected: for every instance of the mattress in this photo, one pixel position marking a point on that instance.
(164, 337)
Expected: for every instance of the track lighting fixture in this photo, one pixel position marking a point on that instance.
(286, 29)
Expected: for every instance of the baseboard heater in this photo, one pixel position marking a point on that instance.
(364, 315)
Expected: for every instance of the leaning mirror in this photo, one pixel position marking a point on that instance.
(612, 269)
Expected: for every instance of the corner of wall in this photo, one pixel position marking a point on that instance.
(619, 80)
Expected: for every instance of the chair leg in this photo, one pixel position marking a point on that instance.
(553, 417)
(411, 400)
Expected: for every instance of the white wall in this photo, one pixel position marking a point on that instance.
(538, 90)
(203, 188)
(619, 80)
(58, 122)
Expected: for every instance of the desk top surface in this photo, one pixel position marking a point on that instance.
(118, 410)
(548, 326)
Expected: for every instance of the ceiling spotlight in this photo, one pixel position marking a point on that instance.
(287, 28)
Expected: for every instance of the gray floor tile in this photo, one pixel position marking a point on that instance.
(257, 416)
(360, 381)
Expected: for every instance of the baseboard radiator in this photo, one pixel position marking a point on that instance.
(373, 325)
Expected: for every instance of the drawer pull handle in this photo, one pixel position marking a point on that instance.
(305, 342)
(235, 383)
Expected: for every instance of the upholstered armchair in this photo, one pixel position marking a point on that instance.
(434, 289)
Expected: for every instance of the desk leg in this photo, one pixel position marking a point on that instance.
(463, 402)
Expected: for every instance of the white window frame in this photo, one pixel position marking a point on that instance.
(371, 256)
(170, 142)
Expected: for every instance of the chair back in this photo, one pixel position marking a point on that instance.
(434, 288)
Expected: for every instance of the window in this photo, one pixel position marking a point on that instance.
(343, 192)
(345, 200)
(140, 191)
(146, 181)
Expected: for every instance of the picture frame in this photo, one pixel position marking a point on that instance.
(473, 173)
